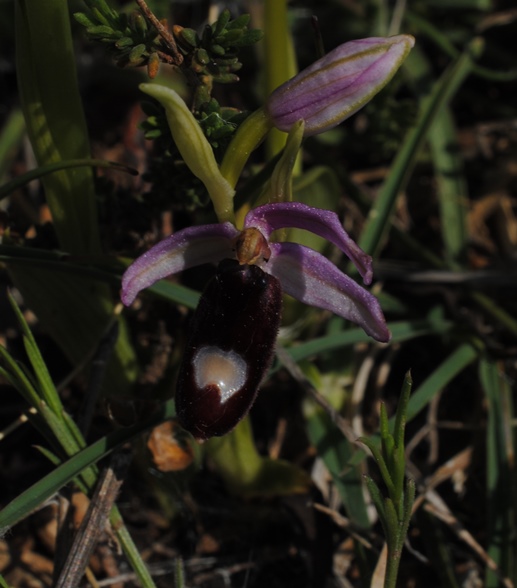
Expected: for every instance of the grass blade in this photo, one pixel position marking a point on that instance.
(501, 477)
(378, 221)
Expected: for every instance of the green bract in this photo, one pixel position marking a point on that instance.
(194, 148)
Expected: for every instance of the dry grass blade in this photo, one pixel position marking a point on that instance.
(441, 511)
(94, 521)
(379, 573)
(435, 505)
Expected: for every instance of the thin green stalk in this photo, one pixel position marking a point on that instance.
(246, 139)
(279, 60)
(394, 553)
(501, 475)
(396, 542)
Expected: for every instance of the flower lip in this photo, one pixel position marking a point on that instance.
(339, 84)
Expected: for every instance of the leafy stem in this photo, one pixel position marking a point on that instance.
(395, 509)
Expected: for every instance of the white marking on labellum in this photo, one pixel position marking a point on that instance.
(224, 369)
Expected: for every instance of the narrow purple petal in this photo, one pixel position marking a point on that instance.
(186, 248)
(313, 279)
(324, 223)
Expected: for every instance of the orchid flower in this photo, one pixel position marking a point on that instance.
(303, 273)
(230, 345)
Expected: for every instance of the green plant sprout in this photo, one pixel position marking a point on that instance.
(395, 509)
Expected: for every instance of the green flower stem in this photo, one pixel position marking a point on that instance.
(279, 60)
(281, 183)
(247, 138)
(396, 544)
(395, 509)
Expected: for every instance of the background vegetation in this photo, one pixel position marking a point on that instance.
(424, 178)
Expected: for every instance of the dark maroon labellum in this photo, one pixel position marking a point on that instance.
(229, 349)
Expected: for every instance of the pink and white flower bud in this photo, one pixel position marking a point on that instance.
(339, 84)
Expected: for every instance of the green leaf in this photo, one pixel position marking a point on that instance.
(220, 24)
(448, 166)
(381, 464)
(83, 19)
(11, 137)
(401, 331)
(409, 500)
(442, 40)
(52, 107)
(50, 455)
(240, 22)
(75, 312)
(46, 385)
(101, 31)
(136, 53)
(401, 415)
(377, 500)
(19, 379)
